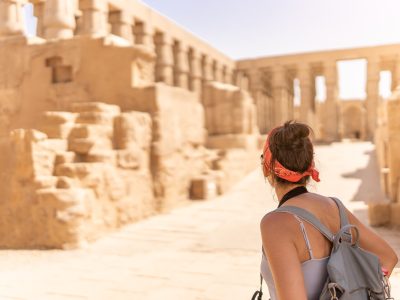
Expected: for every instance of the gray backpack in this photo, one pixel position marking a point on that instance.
(353, 273)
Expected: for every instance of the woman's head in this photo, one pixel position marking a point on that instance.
(288, 154)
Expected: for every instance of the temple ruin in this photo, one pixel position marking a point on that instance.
(113, 113)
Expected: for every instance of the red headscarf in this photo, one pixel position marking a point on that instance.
(281, 171)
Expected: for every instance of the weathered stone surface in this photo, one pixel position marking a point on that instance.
(60, 131)
(79, 107)
(99, 118)
(379, 214)
(203, 188)
(104, 156)
(84, 146)
(64, 182)
(235, 105)
(43, 182)
(65, 157)
(52, 118)
(83, 131)
(132, 129)
(228, 141)
(395, 214)
(129, 159)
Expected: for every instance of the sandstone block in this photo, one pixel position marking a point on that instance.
(395, 214)
(51, 118)
(99, 118)
(128, 159)
(28, 135)
(57, 131)
(61, 198)
(86, 174)
(132, 129)
(84, 146)
(227, 141)
(379, 214)
(64, 182)
(83, 131)
(65, 157)
(43, 182)
(80, 107)
(203, 188)
(104, 156)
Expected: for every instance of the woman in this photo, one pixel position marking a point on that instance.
(295, 253)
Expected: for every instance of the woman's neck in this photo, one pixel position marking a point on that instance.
(281, 189)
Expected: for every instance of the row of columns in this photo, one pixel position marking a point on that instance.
(177, 63)
(278, 87)
(180, 65)
(278, 91)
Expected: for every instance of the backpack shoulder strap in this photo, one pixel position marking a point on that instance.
(342, 212)
(344, 221)
(309, 217)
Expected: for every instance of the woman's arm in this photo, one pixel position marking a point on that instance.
(282, 256)
(372, 242)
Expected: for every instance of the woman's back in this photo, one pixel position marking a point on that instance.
(313, 267)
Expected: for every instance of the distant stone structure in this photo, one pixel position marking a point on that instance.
(270, 81)
(387, 141)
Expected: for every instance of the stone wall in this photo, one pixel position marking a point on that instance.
(387, 141)
(231, 123)
(85, 174)
(109, 96)
(353, 119)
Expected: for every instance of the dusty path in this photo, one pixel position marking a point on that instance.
(205, 251)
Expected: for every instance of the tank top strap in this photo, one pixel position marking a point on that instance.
(306, 239)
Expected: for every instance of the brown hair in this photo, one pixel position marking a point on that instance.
(290, 144)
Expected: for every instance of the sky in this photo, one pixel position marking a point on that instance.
(253, 28)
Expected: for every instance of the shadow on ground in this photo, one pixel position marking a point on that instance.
(369, 189)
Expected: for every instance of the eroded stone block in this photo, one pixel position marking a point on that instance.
(395, 214)
(79, 107)
(379, 214)
(203, 188)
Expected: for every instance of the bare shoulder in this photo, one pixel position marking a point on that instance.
(277, 224)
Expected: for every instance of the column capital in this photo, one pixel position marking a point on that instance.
(11, 17)
(93, 4)
(278, 76)
(330, 72)
(59, 19)
(94, 15)
(163, 38)
(121, 17)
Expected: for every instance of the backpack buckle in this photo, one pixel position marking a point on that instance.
(333, 287)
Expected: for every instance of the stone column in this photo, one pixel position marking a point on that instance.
(38, 11)
(218, 72)
(143, 35)
(331, 116)
(164, 58)
(181, 65)
(195, 71)
(228, 76)
(11, 18)
(207, 70)
(260, 100)
(307, 105)
(59, 19)
(373, 74)
(121, 25)
(279, 94)
(94, 17)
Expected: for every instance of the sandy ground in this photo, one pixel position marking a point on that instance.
(204, 251)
